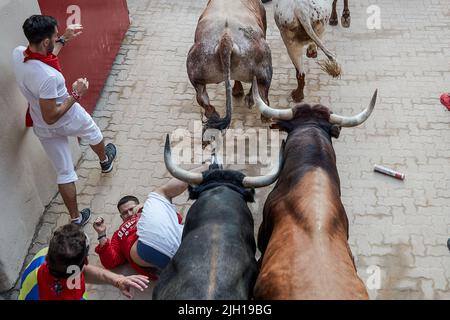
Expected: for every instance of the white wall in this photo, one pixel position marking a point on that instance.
(27, 179)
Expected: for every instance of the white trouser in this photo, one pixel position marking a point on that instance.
(55, 142)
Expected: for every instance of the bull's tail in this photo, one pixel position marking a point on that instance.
(224, 50)
(331, 66)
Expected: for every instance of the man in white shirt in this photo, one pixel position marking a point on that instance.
(55, 112)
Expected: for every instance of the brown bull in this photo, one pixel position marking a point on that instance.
(304, 234)
(229, 45)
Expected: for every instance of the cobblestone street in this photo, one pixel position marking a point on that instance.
(401, 227)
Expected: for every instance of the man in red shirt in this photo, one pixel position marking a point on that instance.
(122, 247)
(116, 251)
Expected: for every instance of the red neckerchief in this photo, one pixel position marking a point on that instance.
(50, 60)
(51, 288)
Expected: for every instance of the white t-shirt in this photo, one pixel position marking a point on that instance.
(158, 226)
(38, 80)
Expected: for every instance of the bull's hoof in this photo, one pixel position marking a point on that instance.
(265, 119)
(238, 90)
(311, 52)
(334, 21)
(249, 101)
(205, 143)
(297, 96)
(346, 20)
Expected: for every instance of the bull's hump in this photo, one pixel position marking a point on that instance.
(318, 199)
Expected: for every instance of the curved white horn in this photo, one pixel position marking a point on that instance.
(262, 181)
(177, 172)
(355, 120)
(279, 114)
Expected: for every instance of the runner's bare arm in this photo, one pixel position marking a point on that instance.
(72, 31)
(51, 112)
(57, 48)
(175, 187)
(98, 275)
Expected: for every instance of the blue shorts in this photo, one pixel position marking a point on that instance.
(152, 256)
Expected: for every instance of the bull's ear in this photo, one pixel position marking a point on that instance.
(335, 131)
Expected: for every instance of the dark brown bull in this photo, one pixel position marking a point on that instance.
(345, 19)
(229, 45)
(304, 234)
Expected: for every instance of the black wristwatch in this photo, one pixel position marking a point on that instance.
(61, 40)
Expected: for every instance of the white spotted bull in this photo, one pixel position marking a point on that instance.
(303, 22)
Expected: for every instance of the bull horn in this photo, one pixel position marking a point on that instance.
(355, 120)
(262, 181)
(177, 172)
(278, 114)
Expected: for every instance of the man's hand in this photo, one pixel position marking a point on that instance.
(81, 86)
(137, 208)
(136, 281)
(99, 226)
(72, 32)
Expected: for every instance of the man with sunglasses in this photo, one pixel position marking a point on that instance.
(60, 272)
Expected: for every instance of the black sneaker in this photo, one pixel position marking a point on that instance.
(448, 244)
(85, 216)
(111, 152)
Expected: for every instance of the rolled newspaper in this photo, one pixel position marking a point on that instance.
(389, 172)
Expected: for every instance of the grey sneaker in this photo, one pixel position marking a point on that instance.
(85, 216)
(111, 152)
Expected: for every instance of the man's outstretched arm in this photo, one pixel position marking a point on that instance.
(98, 275)
(72, 31)
(175, 187)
